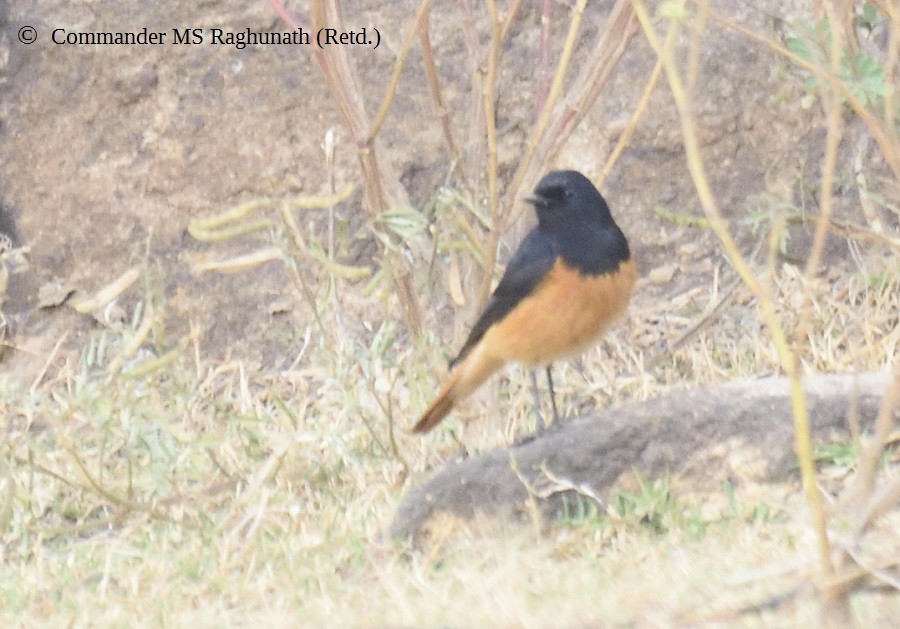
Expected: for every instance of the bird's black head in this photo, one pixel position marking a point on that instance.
(566, 196)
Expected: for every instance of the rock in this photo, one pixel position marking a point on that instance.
(739, 431)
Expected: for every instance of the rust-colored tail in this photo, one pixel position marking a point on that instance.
(468, 376)
(442, 405)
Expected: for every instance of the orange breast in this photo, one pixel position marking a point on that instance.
(566, 313)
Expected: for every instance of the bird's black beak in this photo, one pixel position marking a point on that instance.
(536, 200)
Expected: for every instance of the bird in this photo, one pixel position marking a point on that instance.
(569, 280)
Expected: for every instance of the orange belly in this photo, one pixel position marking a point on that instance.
(566, 313)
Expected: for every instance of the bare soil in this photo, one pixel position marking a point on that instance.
(109, 151)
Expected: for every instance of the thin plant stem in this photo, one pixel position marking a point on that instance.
(555, 90)
(434, 85)
(638, 113)
(490, 122)
(787, 358)
(414, 27)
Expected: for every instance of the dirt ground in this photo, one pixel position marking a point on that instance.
(108, 152)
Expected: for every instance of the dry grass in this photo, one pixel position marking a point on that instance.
(210, 492)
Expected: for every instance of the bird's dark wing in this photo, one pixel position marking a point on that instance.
(529, 265)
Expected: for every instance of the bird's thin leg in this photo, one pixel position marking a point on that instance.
(539, 420)
(552, 394)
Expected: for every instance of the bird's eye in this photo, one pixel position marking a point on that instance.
(557, 192)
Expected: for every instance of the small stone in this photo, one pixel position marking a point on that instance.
(662, 274)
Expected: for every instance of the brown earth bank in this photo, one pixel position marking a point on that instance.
(109, 151)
